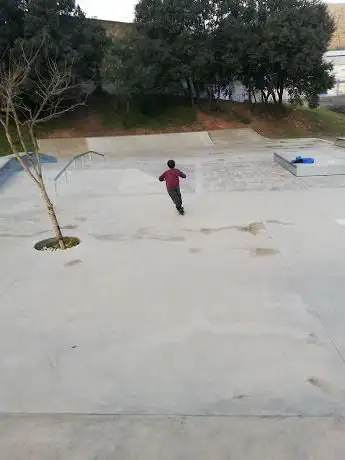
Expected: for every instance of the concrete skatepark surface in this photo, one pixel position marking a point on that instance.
(217, 334)
(175, 143)
(127, 144)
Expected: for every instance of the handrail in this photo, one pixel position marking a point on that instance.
(64, 169)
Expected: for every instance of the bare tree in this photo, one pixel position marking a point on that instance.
(30, 96)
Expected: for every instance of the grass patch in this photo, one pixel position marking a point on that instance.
(150, 114)
(171, 117)
(52, 244)
(326, 121)
(285, 121)
(5, 148)
(105, 115)
(175, 116)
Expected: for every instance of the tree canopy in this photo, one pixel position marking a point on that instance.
(68, 35)
(272, 47)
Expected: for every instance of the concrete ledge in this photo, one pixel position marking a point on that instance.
(4, 160)
(326, 164)
(6, 168)
(285, 164)
(340, 142)
(9, 165)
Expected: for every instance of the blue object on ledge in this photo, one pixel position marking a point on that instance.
(301, 160)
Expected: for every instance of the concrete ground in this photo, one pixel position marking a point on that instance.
(214, 335)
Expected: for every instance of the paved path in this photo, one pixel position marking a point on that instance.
(85, 437)
(219, 334)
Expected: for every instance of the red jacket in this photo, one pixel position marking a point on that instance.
(172, 178)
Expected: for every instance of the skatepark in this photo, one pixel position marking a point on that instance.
(216, 334)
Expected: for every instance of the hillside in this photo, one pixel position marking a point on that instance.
(100, 118)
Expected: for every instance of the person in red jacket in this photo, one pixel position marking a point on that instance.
(172, 181)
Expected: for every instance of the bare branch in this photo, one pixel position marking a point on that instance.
(11, 80)
(28, 97)
(58, 112)
(53, 90)
(17, 154)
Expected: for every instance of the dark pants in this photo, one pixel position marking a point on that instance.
(175, 195)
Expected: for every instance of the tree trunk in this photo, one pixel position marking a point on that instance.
(127, 112)
(193, 87)
(52, 215)
(250, 98)
(98, 81)
(197, 93)
(280, 87)
(280, 94)
(274, 96)
(190, 91)
(37, 167)
(210, 97)
(264, 97)
(184, 87)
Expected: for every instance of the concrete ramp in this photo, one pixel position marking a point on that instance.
(229, 137)
(175, 143)
(340, 142)
(150, 143)
(64, 147)
(127, 144)
(9, 166)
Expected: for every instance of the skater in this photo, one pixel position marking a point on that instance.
(172, 180)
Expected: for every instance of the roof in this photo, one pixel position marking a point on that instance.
(337, 10)
(115, 28)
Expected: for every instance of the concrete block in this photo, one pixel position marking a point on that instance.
(340, 142)
(326, 164)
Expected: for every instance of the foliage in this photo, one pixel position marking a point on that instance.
(170, 49)
(202, 47)
(154, 115)
(69, 36)
(127, 69)
(313, 100)
(53, 88)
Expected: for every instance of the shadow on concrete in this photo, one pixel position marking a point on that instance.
(12, 166)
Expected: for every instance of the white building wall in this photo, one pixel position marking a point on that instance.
(338, 60)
